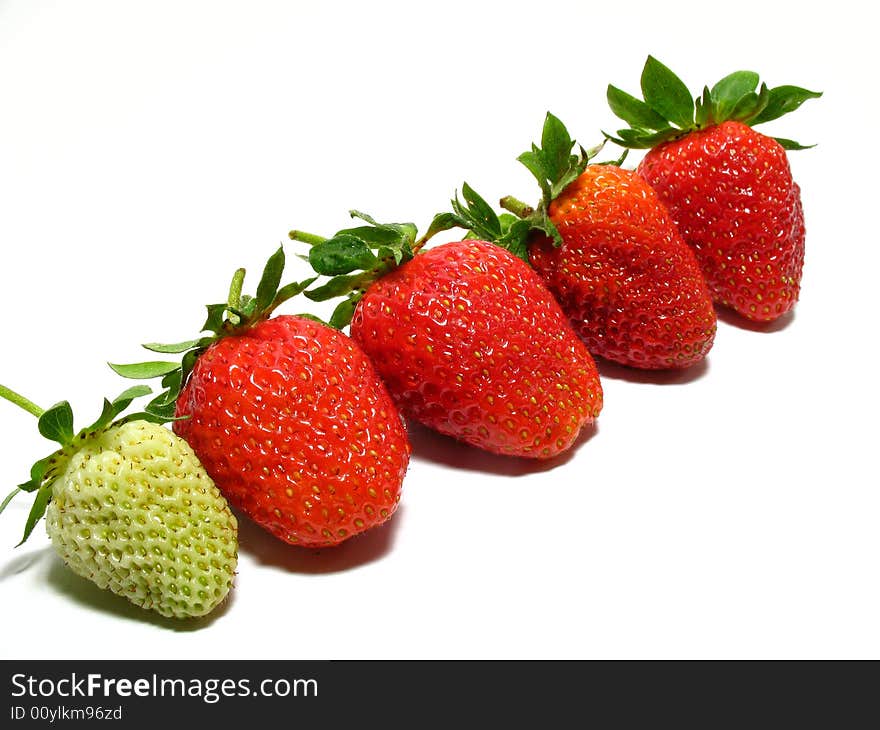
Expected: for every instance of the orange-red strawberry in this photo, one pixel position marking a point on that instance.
(631, 287)
(728, 188)
(288, 417)
(608, 250)
(465, 335)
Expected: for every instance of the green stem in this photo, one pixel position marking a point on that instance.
(21, 401)
(234, 300)
(303, 237)
(517, 207)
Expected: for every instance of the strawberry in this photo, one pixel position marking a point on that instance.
(287, 415)
(728, 188)
(631, 287)
(465, 335)
(608, 250)
(129, 507)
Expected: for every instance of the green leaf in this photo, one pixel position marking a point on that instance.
(38, 509)
(618, 162)
(784, 99)
(337, 286)
(124, 399)
(556, 144)
(237, 315)
(533, 161)
(38, 473)
(746, 106)
(9, 498)
(406, 232)
(144, 370)
(164, 398)
(746, 111)
(728, 92)
(409, 231)
(397, 255)
(175, 348)
(444, 222)
(269, 281)
(507, 220)
(734, 86)
(247, 305)
(152, 418)
(187, 363)
(214, 321)
(289, 291)
(56, 423)
(569, 176)
(173, 378)
(112, 409)
(516, 236)
(341, 254)
(344, 311)
(637, 139)
(161, 407)
(791, 145)
(364, 217)
(476, 215)
(541, 222)
(634, 111)
(481, 210)
(106, 417)
(594, 151)
(666, 94)
(373, 236)
(704, 109)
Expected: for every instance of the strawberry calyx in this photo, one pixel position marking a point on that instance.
(56, 424)
(668, 111)
(353, 258)
(238, 314)
(555, 164)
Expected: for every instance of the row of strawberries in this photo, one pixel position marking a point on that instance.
(489, 339)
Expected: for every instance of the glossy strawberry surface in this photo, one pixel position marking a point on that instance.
(730, 191)
(297, 430)
(630, 286)
(471, 343)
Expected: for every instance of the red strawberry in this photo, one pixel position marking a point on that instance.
(631, 287)
(728, 188)
(607, 248)
(288, 417)
(466, 336)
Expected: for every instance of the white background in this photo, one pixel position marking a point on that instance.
(148, 149)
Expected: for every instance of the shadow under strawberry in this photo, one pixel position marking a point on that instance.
(359, 550)
(616, 371)
(22, 562)
(432, 446)
(87, 594)
(734, 319)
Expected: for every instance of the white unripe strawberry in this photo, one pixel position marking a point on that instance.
(129, 506)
